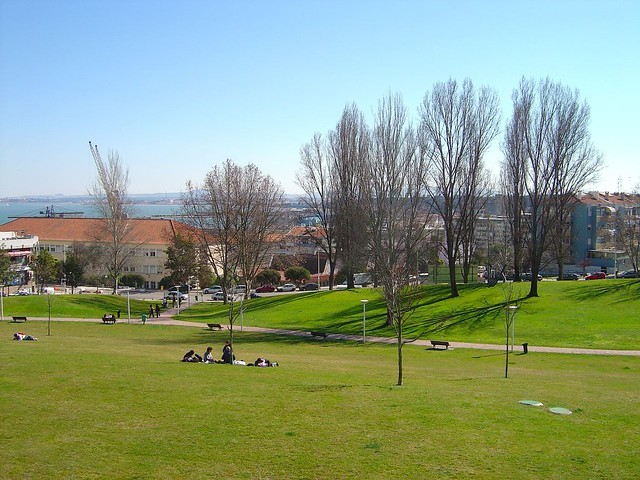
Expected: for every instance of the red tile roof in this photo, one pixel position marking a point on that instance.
(145, 231)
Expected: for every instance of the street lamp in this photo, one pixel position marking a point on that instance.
(512, 312)
(364, 320)
(318, 255)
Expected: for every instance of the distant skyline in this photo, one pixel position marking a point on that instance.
(176, 87)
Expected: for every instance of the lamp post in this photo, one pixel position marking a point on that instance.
(364, 320)
(128, 308)
(512, 310)
(318, 256)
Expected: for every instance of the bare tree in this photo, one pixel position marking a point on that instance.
(110, 199)
(628, 229)
(456, 130)
(396, 211)
(233, 216)
(548, 138)
(259, 203)
(316, 180)
(348, 151)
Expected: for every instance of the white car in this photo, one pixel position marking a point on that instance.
(219, 296)
(213, 289)
(174, 296)
(287, 287)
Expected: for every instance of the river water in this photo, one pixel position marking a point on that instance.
(38, 209)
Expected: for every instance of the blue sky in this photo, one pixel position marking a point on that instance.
(177, 87)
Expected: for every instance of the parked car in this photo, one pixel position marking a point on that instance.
(265, 289)
(181, 288)
(174, 296)
(219, 296)
(239, 289)
(310, 286)
(287, 287)
(212, 289)
(527, 276)
(569, 276)
(596, 276)
(629, 274)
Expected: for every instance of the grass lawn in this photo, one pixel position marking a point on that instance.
(602, 314)
(114, 401)
(595, 314)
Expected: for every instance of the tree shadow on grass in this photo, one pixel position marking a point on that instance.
(625, 289)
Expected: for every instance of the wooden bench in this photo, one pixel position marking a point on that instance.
(109, 319)
(214, 326)
(19, 319)
(439, 343)
(321, 335)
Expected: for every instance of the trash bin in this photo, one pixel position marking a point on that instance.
(525, 348)
(144, 318)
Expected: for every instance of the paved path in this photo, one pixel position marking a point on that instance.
(166, 319)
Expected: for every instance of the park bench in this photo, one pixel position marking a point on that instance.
(439, 343)
(19, 319)
(321, 335)
(214, 326)
(108, 319)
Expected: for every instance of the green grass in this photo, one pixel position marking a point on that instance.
(599, 314)
(98, 401)
(87, 305)
(571, 314)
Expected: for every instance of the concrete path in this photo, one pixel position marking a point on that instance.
(166, 319)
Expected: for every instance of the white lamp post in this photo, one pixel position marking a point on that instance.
(318, 255)
(364, 320)
(512, 311)
(128, 308)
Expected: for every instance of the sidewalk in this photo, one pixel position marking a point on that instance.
(166, 319)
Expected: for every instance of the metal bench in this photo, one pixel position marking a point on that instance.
(214, 326)
(109, 319)
(19, 319)
(321, 335)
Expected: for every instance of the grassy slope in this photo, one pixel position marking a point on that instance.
(97, 401)
(599, 314)
(574, 314)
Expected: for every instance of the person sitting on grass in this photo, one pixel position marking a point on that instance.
(192, 357)
(208, 357)
(227, 353)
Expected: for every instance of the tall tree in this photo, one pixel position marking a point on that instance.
(315, 177)
(457, 128)
(109, 194)
(233, 217)
(259, 203)
(396, 211)
(548, 139)
(348, 151)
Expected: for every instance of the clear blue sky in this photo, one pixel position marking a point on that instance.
(177, 87)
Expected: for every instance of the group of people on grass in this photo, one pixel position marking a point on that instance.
(227, 357)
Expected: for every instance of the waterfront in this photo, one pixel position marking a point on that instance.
(10, 210)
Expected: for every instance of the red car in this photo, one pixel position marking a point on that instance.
(265, 289)
(596, 276)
